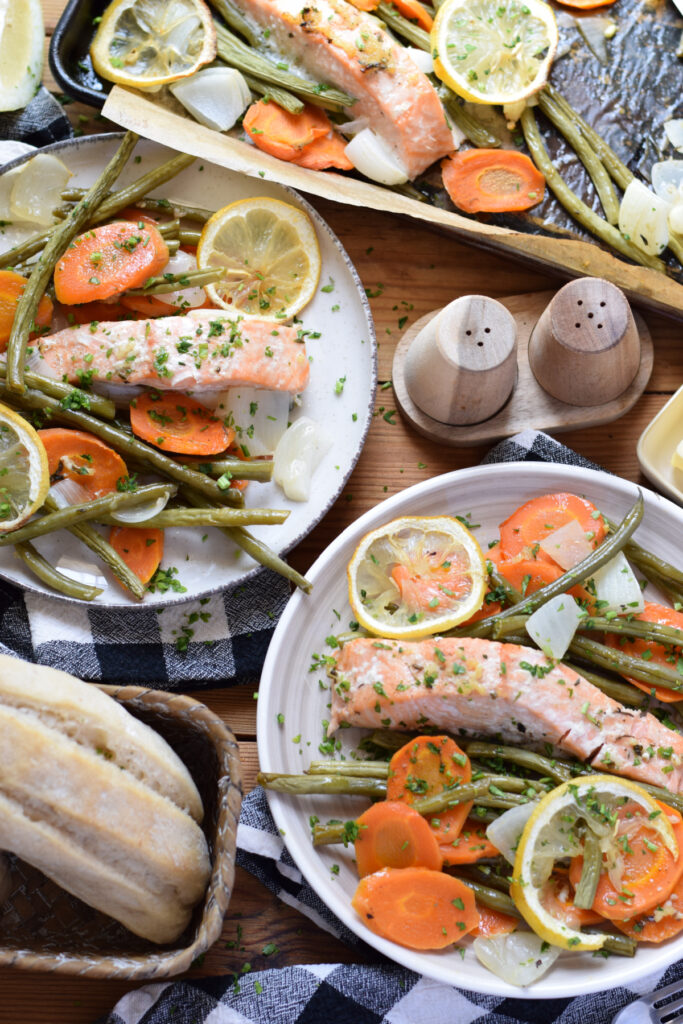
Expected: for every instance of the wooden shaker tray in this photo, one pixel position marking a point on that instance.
(529, 405)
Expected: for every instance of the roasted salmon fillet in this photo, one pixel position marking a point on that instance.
(479, 687)
(204, 350)
(342, 46)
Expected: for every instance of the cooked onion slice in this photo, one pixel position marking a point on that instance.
(297, 455)
(643, 218)
(371, 155)
(215, 97)
(553, 626)
(617, 588)
(520, 958)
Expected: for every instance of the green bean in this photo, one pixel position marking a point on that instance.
(365, 769)
(586, 154)
(618, 661)
(580, 572)
(655, 631)
(41, 568)
(477, 133)
(575, 206)
(89, 510)
(256, 469)
(490, 874)
(233, 51)
(333, 832)
(618, 690)
(402, 26)
(479, 791)
(173, 282)
(622, 945)
(584, 894)
(389, 739)
(512, 595)
(178, 211)
(207, 517)
(59, 238)
(235, 19)
(525, 758)
(300, 785)
(492, 898)
(168, 229)
(188, 237)
(285, 99)
(646, 560)
(68, 394)
(259, 551)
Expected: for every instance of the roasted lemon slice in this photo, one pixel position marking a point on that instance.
(24, 473)
(553, 833)
(494, 51)
(416, 576)
(148, 43)
(271, 257)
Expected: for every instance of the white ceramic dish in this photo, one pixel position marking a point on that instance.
(658, 442)
(346, 350)
(487, 494)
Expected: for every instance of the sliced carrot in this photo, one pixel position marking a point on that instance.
(141, 548)
(416, 907)
(98, 312)
(11, 289)
(493, 922)
(177, 423)
(293, 137)
(426, 766)
(529, 575)
(393, 835)
(108, 260)
(586, 5)
(365, 5)
(470, 846)
(492, 180)
(650, 871)
(79, 456)
(661, 923)
(325, 153)
(531, 522)
(151, 306)
(653, 653)
(557, 896)
(414, 11)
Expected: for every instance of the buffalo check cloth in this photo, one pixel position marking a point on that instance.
(355, 994)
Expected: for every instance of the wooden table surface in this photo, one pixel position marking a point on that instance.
(408, 270)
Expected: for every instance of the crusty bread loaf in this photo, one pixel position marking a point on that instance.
(83, 798)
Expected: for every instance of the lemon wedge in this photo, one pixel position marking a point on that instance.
(21, 52)
(24, 473)
(552, 833)
(271, 257)
(148, 43)
(416, 576)
(494, 51)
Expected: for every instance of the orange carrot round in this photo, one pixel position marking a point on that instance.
(307, 139)
(493, 922)
(650, 871)
(527, 575)
(416, 907)
(426, 766)
(11, 289)
(98, 312)
(141, 548)
(108, 260)
(557, 896)
(393, 835)
(533, 521)
(177, 423)
(470, 846)
(325, 153)
(414, 11)
(81, 457)
(492, 180)
(661, 923)
(655, 653)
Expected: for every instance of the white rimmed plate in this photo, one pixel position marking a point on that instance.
(487, 495)
(345, 351)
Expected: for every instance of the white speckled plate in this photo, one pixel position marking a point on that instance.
(346, 349)
(486, 494)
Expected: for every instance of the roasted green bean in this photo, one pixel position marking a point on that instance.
(208, 517)
(415, 35)
(256, 469)
(57, 242)
(358, 769)
(545, 766)
(584, 894)
(173, 282)
(477, 133)
(68, 395)
(617, 660)
(616, 689)
(492, 898)
(274, 93)
(55, 579)
(303, 784)
(632, 627)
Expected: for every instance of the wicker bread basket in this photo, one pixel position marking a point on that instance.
(42, 927)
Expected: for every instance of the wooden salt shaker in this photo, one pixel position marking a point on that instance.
(585, 348)
(462, 366)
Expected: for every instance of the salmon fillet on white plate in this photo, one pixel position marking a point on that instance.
(203, 350)
(480, 687)
(340, 45)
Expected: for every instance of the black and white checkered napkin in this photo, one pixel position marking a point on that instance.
(354, 994)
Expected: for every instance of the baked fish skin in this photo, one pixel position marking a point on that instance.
(204, 350)
(338, 44)
(479, 687)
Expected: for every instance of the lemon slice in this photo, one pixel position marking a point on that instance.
(24, 473)
(416, 576)
(21, 52)
(147, 43)
(551, 834)
(271, 257)
(494, 51)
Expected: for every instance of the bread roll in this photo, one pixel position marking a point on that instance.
(98, 801)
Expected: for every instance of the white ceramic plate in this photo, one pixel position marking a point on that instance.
(487, 494)
(345, 350)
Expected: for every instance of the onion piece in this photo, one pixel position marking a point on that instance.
(37, 190)
(69, 492)
(596, 30)
(617, 588)
(185, 298)
(554, 624)
(506, 830)
(643, 218)
(674, 133)
(567, 545)
(258, 417)
(139, 513)
(297, 455)
(374, 158)
(520, 958)
(676, 219)
(215, 97)
(422, 58)
(667, 180)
